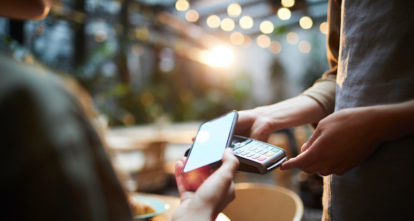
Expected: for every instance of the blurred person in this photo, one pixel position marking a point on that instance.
(53, 163)
(363, 110)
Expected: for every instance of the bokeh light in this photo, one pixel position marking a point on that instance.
(305, 22)
(292, 38)
(304, 47)
(221, 56)
(192, 15)
(182, 5)
(284, 14)
(247, 41)
(263, 41)
(266, 27)
(227, 24)
(288, 3)
(246, 22)
(275, 47)
(237, 38)
(323, 27)
(213, 21)
(234, 10)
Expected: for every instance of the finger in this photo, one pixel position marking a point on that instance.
(311, 169)
(179, 179)
(304, 147)
(230, 162)
(310, 141)
(221, 179)
(325, 172)
(303, 160)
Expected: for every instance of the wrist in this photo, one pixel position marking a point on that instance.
(393, 121)
(190, 210)
(292, 112)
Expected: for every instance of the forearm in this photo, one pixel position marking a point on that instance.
(293, 112)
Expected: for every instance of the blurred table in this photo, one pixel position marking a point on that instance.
(137, 137)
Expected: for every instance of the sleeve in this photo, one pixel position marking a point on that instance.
(323, 91)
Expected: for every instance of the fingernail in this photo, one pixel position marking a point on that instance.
(179, 163)
(283, 165)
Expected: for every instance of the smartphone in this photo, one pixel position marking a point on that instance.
(207, 149)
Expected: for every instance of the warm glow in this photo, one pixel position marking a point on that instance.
(237, 38)
(182, 5)
(304, 47)
(246, 22)
(324, 27)
(263, 41)
(191, 16)
(284, 13)
(227, 24)
(292, 38)
(288, 3)
(213, 21)
(266, 27)
(221, 56)
(234, 10)
(275, 47)
(247, 41)
(305, 22)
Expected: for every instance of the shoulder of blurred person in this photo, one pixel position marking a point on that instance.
(53, 163)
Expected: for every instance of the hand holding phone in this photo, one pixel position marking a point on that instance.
(207, 150)
(216, 192)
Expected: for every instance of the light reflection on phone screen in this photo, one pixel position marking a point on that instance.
(210, 142)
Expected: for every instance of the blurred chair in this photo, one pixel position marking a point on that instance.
(263, 202)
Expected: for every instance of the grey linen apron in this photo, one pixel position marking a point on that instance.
(375, 66)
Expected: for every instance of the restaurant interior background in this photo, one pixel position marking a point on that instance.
(160, 67)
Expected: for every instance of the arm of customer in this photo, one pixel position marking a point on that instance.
(344, 139)
(212, 196)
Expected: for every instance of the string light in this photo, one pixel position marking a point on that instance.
(304, 47)
(237, 38)
(192, 15)
(227, 24)
(246, 22)
(323, 27)
(288, 3)
(284, 13)
(275, 47)
(182, 5)
(266, 27)
(247, 41)
(305, 22)
(213, 21)
(234, 10)
(263, 41)
(292, 38)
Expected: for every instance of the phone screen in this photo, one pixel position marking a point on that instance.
(212, 139)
